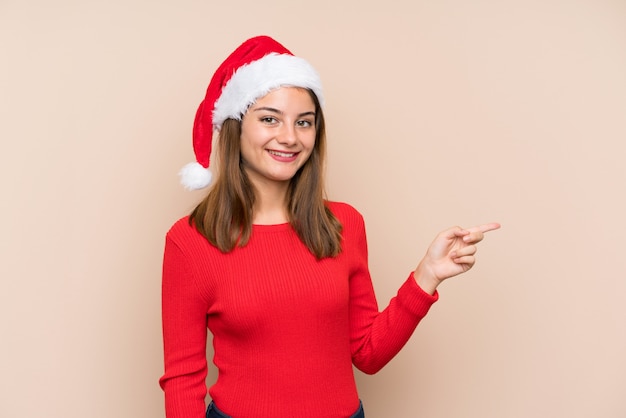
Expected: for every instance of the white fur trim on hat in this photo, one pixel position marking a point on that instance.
(255, 80)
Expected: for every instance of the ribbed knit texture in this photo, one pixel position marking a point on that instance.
(286, 327)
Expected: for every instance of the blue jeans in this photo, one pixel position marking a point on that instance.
(213, 412)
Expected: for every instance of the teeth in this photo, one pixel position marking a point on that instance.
(282, 154)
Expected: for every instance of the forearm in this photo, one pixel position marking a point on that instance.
(380, 336)
(425, 279)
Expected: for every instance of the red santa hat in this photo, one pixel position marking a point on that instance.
(255, 68)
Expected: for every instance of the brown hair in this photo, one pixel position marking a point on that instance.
(225, 215)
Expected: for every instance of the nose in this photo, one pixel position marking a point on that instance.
(287, 135)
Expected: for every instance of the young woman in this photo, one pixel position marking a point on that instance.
(278, 274)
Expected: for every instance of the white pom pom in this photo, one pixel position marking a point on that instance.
(194, 177)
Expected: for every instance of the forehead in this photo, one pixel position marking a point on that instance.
(286, 96)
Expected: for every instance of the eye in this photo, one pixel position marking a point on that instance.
(269, 120)
(304, 123)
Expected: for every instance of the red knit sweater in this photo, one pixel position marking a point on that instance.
(286, 327)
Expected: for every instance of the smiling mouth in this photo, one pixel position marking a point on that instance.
(283, 154)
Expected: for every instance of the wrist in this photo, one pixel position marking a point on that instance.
(427, 281)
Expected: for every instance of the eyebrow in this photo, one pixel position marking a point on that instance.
(271, 109)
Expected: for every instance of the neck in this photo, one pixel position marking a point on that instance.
(270, 206)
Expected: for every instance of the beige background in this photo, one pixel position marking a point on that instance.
(439, 112)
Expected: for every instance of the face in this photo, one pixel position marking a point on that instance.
(278, 135)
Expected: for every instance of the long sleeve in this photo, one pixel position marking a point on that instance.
(281, 321)
(184, 337)
(376, 337)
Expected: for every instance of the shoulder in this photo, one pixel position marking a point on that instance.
(342, 209)
(184, 233)
(348, 216)
(180, 227)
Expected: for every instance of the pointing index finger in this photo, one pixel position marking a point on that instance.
(488, 227)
